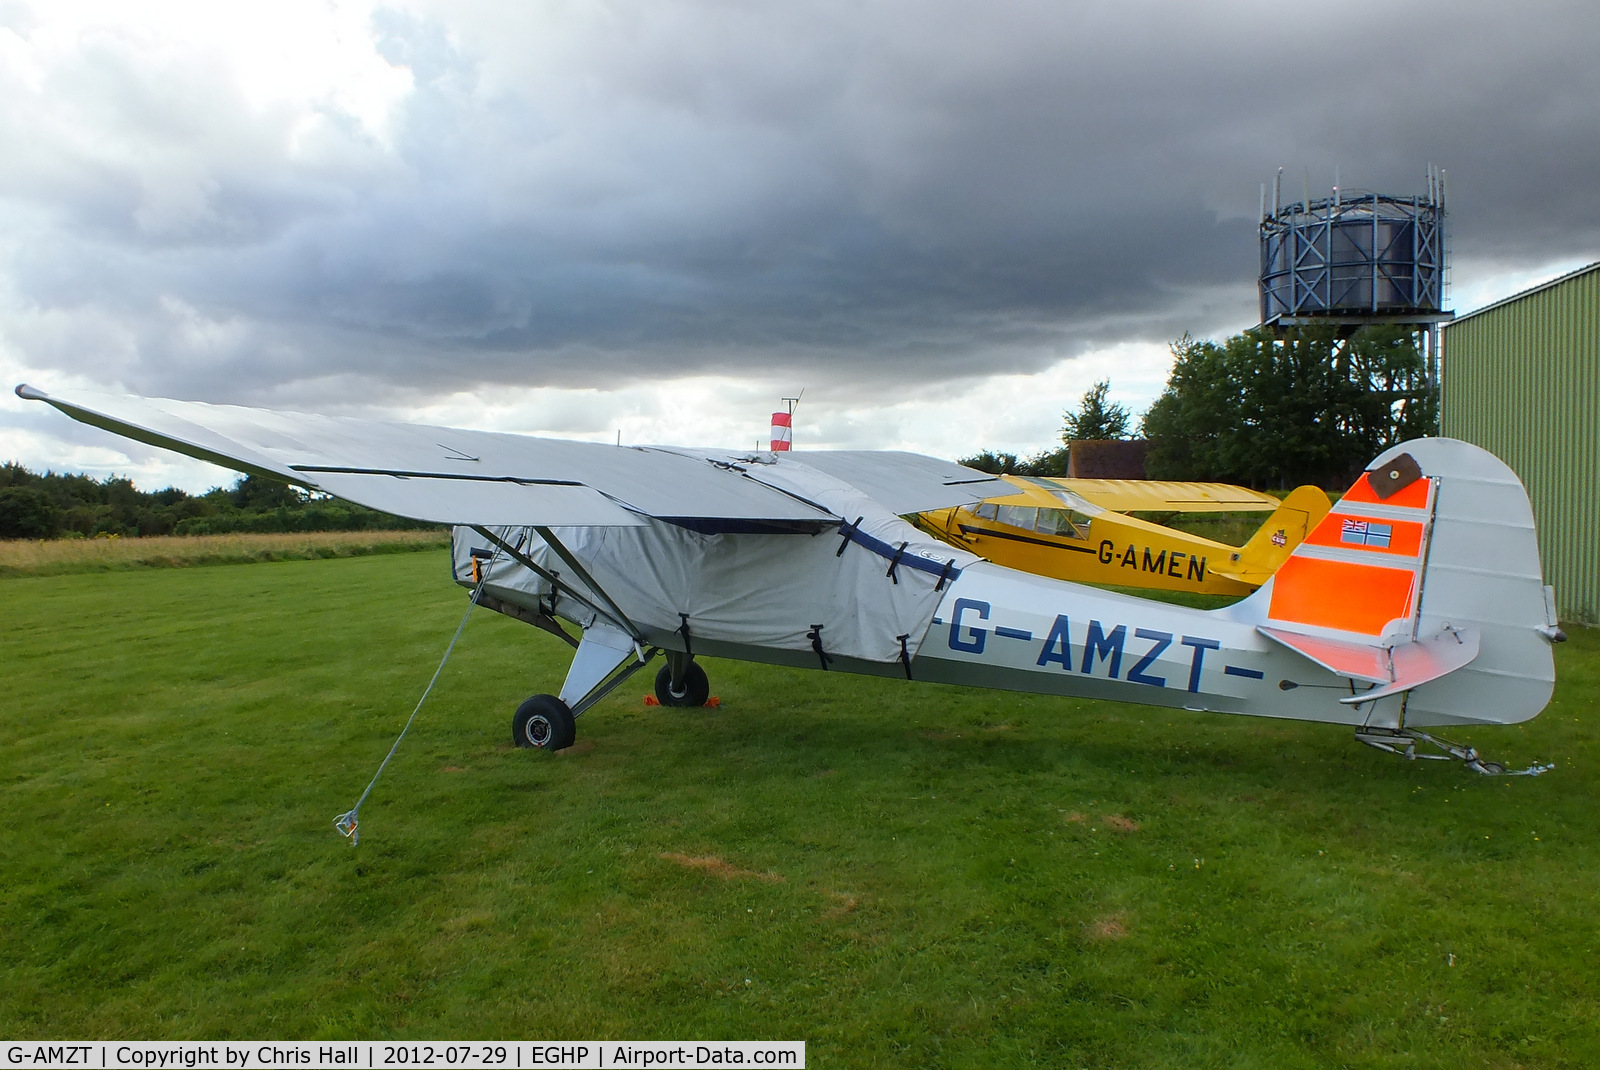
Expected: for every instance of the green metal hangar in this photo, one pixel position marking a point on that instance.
(1521, 378)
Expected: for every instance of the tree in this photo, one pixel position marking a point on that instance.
(1304, 408)
(1043, 463)
(996, 464)
(27, 513)
(256, 493)
(1095, 418)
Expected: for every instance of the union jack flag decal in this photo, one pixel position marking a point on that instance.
(1365, 533)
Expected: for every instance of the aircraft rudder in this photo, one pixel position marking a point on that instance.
(1483, 572)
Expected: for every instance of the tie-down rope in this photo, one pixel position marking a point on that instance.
(348, 823)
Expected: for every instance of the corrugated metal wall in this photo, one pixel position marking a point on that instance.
(1522, 379)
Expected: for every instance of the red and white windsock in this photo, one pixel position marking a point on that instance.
(782, 431)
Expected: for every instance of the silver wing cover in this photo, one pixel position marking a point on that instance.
(455, 476)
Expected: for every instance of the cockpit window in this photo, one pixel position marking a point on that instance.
(1018, 516)
(1062, 522)
(1067, 523)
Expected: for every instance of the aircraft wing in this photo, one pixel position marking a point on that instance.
(455, 476)
(1162, 496)
(905, 483)
(1128, 495)
(1030, 492)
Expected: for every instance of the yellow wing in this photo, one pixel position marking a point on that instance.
(1029, 492)
(1162, 496)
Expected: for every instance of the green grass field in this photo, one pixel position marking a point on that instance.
(899, 874)
(60, 557)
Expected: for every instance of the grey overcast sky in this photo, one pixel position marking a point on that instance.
(943, 221)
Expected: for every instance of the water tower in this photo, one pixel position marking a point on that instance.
(1354, 259)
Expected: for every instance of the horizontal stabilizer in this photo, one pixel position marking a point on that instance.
(1355, 660)
(1417, 663)
(1394, 669)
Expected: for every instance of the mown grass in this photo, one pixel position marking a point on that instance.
(900, 874)
(59, 557)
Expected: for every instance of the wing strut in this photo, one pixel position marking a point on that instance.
(583, 574)
(613, 614)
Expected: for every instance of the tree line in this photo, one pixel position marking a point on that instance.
(1263, 409)
(52, 505)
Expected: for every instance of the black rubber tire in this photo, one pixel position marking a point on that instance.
(696, 687)
(544, 722)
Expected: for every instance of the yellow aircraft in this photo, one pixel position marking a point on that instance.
(1078, 530)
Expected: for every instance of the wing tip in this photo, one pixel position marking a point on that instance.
(29, 393)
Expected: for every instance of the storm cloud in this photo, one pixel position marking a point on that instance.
(372, 205)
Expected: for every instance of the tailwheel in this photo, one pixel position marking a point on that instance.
(691, 689)
(545, 722)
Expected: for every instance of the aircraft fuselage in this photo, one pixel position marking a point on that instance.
(1000, 628)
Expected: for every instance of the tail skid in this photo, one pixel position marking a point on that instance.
(1403, 741)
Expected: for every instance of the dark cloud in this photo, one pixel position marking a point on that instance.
(875, 191)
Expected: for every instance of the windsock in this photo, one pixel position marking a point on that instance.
(782, 431)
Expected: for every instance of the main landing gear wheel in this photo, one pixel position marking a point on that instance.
(545, 722)
(693, 690)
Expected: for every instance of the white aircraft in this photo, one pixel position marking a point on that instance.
(1417, 603)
